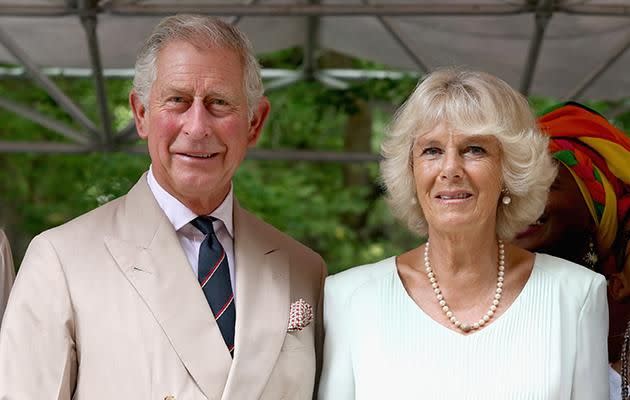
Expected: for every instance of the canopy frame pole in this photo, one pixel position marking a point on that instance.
(544, 12)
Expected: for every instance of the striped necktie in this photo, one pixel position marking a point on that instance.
(214, 277)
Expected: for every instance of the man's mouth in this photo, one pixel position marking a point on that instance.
(199, 155)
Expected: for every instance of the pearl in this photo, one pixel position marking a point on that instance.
(442, 301)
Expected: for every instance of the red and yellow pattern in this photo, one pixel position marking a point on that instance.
(598, 156)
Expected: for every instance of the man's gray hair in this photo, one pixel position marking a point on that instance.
(202, 32)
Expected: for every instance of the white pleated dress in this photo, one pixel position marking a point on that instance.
(550, 344)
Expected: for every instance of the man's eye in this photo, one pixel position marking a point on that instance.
(176, 99)
(219, 102)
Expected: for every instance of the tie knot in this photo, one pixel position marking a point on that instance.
(204, 224)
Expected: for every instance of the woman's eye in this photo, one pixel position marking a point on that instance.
(430, 151)
(476, 150)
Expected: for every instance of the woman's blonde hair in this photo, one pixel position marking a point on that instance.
(471, 103)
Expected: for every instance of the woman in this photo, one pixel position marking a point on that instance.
(467, 315)
(586, 217)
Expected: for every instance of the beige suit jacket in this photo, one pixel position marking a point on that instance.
(107, 307)
(7, 272)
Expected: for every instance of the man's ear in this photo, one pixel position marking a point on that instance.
(258, 121)
(139, 114)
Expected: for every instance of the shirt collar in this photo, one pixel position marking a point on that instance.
(179, 215)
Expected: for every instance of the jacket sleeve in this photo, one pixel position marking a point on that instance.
(337, 380)
(37, 348)
(590, 377)
(7, 272)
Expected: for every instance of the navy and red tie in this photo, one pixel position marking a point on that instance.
(214, 278)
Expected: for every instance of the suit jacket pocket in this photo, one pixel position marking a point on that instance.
(299, 340)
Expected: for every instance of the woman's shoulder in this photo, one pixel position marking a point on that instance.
(571, 275)
(344, 283)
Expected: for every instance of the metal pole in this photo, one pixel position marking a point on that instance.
(599, 70)
(44, 121)
(49, 86)
(43, 147)
(89, 22)
(543, 15)
(391, 29)
(296, 10)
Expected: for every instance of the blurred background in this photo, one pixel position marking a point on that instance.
(335, 71)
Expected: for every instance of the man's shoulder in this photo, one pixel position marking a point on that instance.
(89, 223)
(270, 233)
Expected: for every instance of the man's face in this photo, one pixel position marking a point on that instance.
(196, 122)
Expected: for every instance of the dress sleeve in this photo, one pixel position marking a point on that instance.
(37, 347)
(337, 380)
(590, 377)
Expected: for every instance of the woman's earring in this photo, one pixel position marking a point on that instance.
(506, 199)
(590, 258)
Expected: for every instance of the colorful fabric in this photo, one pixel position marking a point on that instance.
(598, 156)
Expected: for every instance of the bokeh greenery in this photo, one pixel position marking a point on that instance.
(347, 222)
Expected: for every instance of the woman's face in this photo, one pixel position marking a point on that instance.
(564, 225)
(458, 178)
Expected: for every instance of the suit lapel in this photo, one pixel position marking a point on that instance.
(262, 306)
(150, 256)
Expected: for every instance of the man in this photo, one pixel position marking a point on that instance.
(140, 298)
(7, 272)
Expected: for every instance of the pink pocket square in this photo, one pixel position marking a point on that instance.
(300, 315)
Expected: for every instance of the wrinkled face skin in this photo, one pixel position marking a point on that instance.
(458, 179)
(196, 123)
(565, 227)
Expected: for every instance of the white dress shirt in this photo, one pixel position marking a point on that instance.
(190, 237)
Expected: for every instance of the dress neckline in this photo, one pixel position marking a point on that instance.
(481, 332)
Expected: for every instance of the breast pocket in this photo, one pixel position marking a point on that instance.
(299, 340)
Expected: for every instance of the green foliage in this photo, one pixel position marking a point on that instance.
(348, 223)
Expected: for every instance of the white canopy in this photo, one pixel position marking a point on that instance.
(564, 49)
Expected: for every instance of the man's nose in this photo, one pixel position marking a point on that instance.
(197, 119)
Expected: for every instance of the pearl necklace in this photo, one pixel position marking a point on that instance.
(442, 302)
